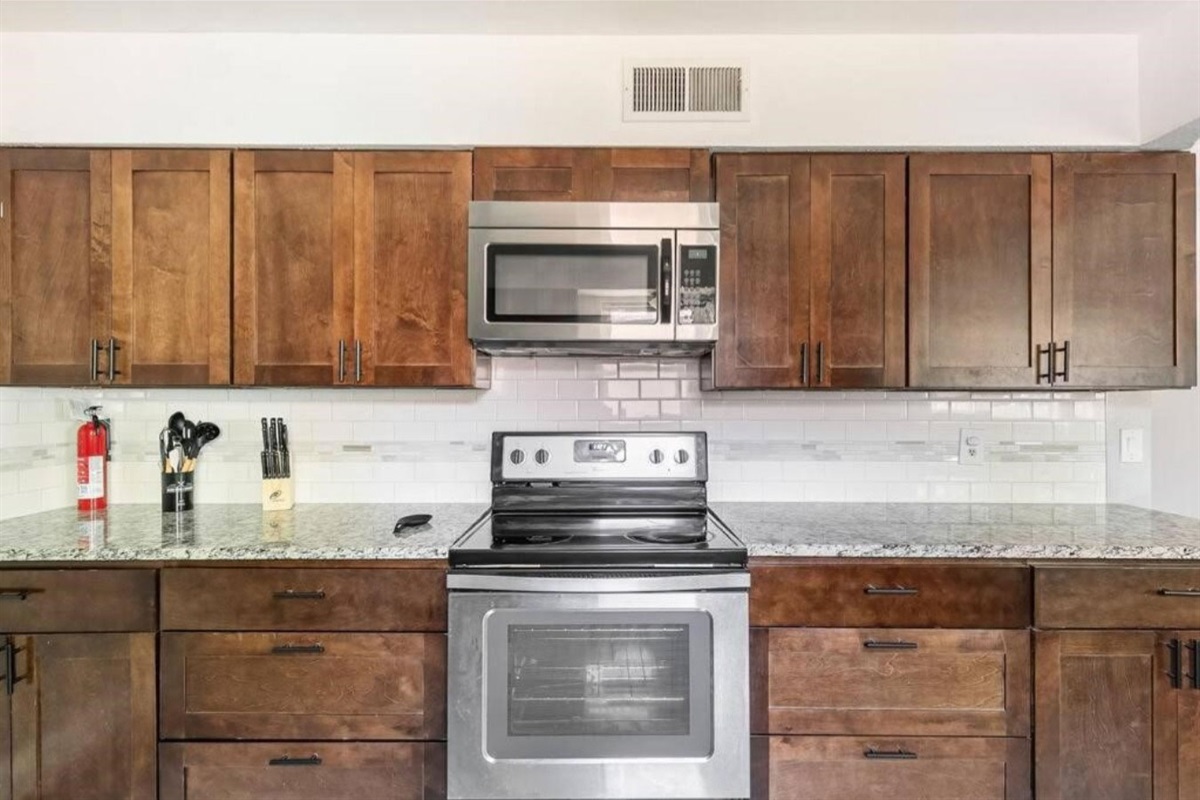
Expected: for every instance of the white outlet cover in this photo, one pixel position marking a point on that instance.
(1132, 449)
(971, 447)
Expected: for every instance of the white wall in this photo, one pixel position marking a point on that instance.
(811, 91)
(1169, 73)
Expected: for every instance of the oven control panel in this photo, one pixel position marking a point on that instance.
(598, 456)
(697, 284)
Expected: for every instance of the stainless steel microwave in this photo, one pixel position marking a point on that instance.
(593, 278)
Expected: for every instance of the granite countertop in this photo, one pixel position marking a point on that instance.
(846, 530)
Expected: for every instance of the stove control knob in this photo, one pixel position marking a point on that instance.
(516, 456)
(541, 456)
(681, 456)
(657, 456)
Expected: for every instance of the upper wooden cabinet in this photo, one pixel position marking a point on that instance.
(1125, 268)
(350, 268)
(115, 267)
(592, 174)
(55, 265)
(812, 272)
(979, 269)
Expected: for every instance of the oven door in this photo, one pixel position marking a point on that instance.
(607, 695)
(571, 285)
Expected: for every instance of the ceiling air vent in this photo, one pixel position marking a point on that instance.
(657, 91)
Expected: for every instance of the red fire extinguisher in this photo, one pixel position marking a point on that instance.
(91, 466)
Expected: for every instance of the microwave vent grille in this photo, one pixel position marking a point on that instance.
(670, 91)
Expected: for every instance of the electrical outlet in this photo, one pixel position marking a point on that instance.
(1131, 446)
(971, 449)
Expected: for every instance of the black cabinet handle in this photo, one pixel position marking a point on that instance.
(1048, 375)
(295, 649)
(287, 761)
(1195, 648)
(1179, 593)
(358, 367)
(10, 651)
(292, 594)
(898, 644)
(95, 362)
(113, 347)
(341, 361)
(897, 591)
(1066, 362)
(665, 274)
(889, 755)
(804, 363)
(820, 362)
(1173, 664)
(14, 594)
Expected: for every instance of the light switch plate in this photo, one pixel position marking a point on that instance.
(971, 448)
(1132, 451)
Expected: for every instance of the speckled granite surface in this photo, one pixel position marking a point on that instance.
(361, 531)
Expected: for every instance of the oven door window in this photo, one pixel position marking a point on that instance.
(614, 284)
(603, 684)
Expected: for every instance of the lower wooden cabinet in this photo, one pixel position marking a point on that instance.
(343, 686)
(81, 718)
(882, 768)
(303, 771)
(1118, 715)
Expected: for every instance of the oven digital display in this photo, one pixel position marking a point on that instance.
(602, 451)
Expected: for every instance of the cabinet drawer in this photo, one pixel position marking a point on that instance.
(302, 771)
(891, 682)
(246, 599)
(841, 768)
(1117, 597)
(889, 596)
(77, 601)
(311, 686)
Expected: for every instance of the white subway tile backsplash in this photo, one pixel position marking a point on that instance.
(659, 389)
(618, 390)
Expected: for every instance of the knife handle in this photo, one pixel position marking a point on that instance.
(266, 440)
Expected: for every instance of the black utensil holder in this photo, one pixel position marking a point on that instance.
(178, 491)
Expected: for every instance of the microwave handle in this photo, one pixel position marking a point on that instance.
(664, 296)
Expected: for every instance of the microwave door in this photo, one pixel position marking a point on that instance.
(572, 285)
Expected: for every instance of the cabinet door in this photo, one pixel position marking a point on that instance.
(410, 257)
(764, 280)
(536, 173)
(55, 264)
(171, 271)
(6, 786)
(1125, 268)
(635, 174)
(1095, 715)
(979, 269)
(858, 217)
(83, 717)
(293, 283)
(1177, 717)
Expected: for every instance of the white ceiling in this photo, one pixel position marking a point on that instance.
(593, 17)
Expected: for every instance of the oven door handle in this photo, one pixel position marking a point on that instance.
(599, 583)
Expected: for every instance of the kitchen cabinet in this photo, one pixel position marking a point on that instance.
(592, 174)
(349, 269)
(1125, 269)
(55, 265)
(979, 290)
(115, 267)
(293, 277)
(812, 272)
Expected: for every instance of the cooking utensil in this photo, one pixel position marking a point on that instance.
(206, 432)
(411, 521)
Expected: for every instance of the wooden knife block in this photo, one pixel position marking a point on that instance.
(278, 494)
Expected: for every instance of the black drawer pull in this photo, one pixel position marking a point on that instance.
(295, 649)
(875, 644)
(899, 591)
(292, 594)
(1174, 664)
(14, 594)
(1193, 592)
(10, 651)
(1195, 648)
(287, 761)
(889, 755)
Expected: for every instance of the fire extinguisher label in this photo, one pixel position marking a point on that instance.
(91, 477)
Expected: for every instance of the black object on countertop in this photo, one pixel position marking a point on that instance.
(411, 521)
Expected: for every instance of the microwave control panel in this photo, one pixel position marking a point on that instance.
(697, 284)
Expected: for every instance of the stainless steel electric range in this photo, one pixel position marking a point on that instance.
(598, 627)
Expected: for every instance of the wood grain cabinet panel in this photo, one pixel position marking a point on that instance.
(303, 686)
(83, 717)
(1177, 716)
(979, 292)
(928, 768)
(895, 682)
(592, 174)
(293, 266)
(301, 599)
(55, 264)
(1125, 268)
(1117, 597)
(410, 254)
(785, 593)
(302, 771)
(78, 600)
